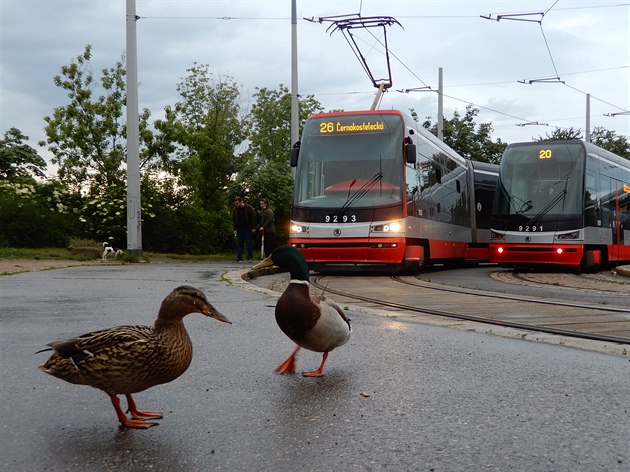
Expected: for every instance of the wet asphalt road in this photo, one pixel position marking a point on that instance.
(400, 396)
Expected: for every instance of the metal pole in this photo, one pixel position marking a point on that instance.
(295, 124)
(440, 123)
(378, 97)
(587, 133)
(134, 226)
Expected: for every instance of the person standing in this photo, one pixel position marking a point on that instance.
(244, 224)
(267, 228)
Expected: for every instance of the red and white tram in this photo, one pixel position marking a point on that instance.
(563, 203)
(374, 189)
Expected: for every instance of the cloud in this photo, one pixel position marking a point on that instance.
(482, 60)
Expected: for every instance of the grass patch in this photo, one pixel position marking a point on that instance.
(48, 253)
(54, 253)
(218, 257)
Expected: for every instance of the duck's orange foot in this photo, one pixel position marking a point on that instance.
(136, 424)
(288, 366)
(145, 415)
(314, 373)
(320, 371)
(140, 415)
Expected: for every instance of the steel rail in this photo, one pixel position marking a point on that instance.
(511, 297)
(460, 316)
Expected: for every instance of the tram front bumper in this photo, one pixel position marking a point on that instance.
(533, 254)
(352, 251)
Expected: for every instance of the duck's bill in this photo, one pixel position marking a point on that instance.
(214, 313)
(267, 262)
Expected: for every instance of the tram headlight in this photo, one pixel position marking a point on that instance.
(571, 235)
(495, 235)
(295, 228)
(392, 227)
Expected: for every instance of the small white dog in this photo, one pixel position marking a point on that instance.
(109, 249)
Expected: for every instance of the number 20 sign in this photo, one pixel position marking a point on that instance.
(544, 154)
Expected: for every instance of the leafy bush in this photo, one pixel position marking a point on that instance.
(34, 215)
(187, 230)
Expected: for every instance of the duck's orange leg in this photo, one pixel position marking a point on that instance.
(126, 422)
(320, 371)
(140, 415)
(288, 366)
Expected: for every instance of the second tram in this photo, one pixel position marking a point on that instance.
(372, 188)
(563, 203)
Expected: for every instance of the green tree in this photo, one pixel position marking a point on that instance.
(611, 141)
(471, 140)
(561, 134)
(205, 130)
(201, 134)
(600, 136)
(87, 138)
(264, 169)
(269, 122)
(18, 159)
(88, 135)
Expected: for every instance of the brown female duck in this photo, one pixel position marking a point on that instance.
(128, 359)
(317, 324)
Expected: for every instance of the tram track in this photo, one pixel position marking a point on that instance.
(575, 320)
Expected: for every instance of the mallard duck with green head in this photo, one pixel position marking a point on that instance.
(129, 359)
(314, 323)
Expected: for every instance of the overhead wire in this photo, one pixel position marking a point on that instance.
(550, 57)
(228, 18)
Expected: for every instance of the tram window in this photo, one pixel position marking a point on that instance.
(590, 199)
(604, 194)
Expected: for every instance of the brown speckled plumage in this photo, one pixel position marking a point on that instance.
(130, 359)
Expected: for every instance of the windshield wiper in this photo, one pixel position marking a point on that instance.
(526, 206)
(552, 203)
(360, 193)
(514, 201)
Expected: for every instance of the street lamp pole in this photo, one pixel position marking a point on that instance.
(134, 225)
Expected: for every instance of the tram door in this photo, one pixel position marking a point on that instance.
(617, 231)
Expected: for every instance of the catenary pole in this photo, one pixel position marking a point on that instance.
(134, 226)
(587, 134)
(295, 126)
(440, 123)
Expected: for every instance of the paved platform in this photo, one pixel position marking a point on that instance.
(400, 396)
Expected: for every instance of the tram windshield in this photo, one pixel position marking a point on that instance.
(350, 161)
(537, 179)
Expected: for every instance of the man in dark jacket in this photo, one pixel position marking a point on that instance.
(244, 224)
(267, 228)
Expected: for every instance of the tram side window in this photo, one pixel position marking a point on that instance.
(590, 199)
(413, 183)
(604, 199)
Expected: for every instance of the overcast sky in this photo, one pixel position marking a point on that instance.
(584, 44)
